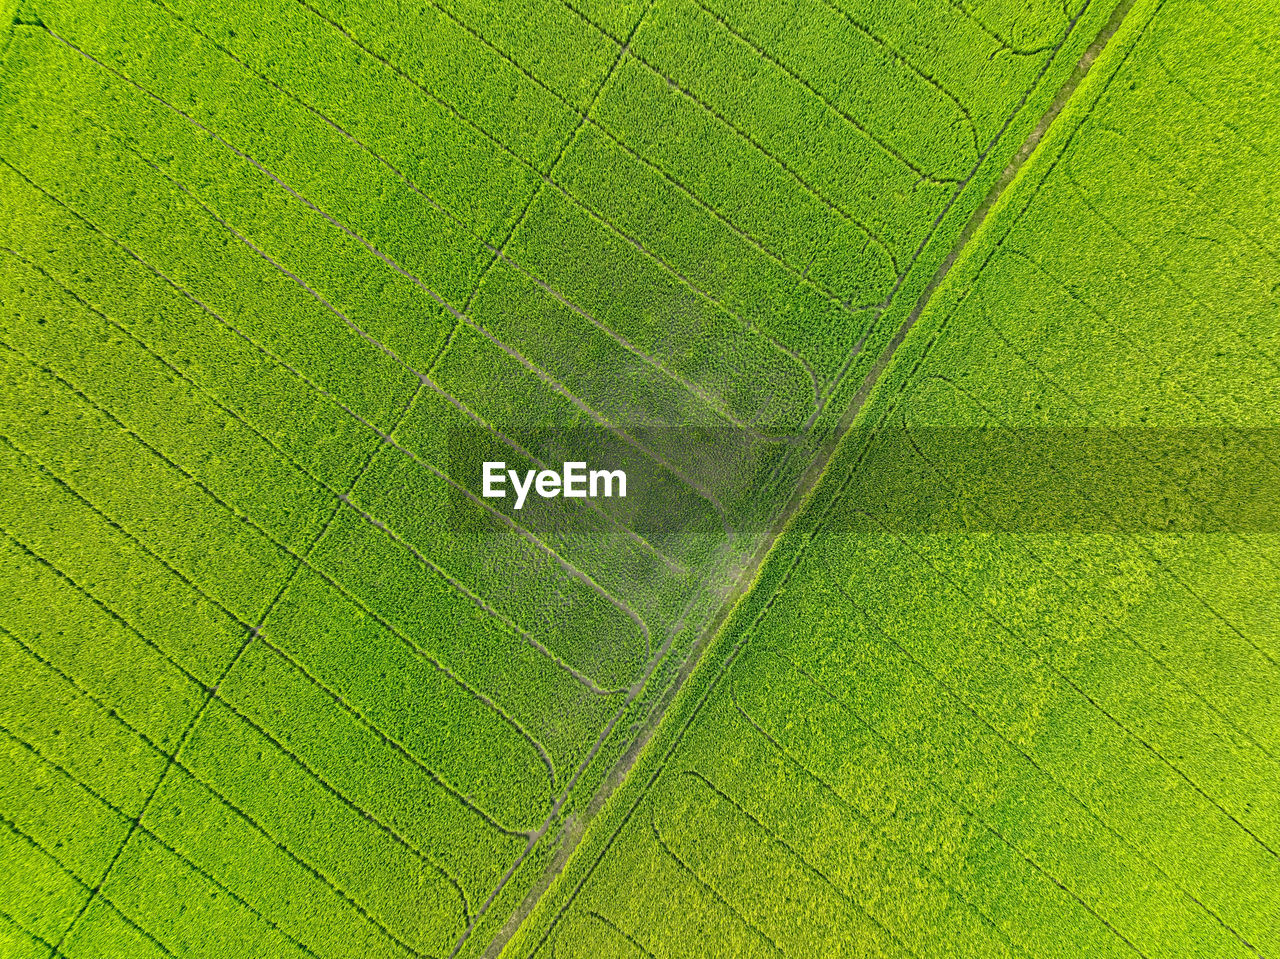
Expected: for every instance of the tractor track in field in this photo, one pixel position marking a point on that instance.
(745, 580)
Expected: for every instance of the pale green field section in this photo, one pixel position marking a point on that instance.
(1001, 733)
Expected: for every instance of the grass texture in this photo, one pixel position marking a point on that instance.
(276, 277)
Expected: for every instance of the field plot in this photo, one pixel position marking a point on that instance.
(275, 277)
(982, 701)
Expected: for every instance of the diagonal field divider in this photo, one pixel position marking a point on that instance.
(817, 467)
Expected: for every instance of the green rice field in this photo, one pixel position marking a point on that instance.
(939, 341)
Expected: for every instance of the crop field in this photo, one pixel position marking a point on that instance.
(276, 278)
(991, 731)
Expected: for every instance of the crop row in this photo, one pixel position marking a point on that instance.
(411, 718)
(742, 192)
(32, 707)
(313, 741)
(348, 122)
(146, 516)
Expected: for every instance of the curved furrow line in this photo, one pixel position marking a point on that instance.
(1047, 379)
(963, 7)
(1181, 85)
(211, 691)
(544, 178)
(280, 362)
(1252, 347)
(801, 276)
(625, 46)
(674, 566)
(581, 677)
(901, 58)
(520, 530)
(715, 894)
(1271, 54)
(1249, 547)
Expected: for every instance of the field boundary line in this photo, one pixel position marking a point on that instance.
(173, 760)
(98, 895)
(744, 234)
(1036, 657)
(633, 693)
(344, 498)
(34, 937)
(191, 864)
(192, 384)
(1167, 175)
(573, 200)
(610, 924)
(285, 365)
(970, 227)
(537, 190)
(136, 821)
(1235, 534)
(208, 787)
(584, 114)
(1163, 271)
(906, 61)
